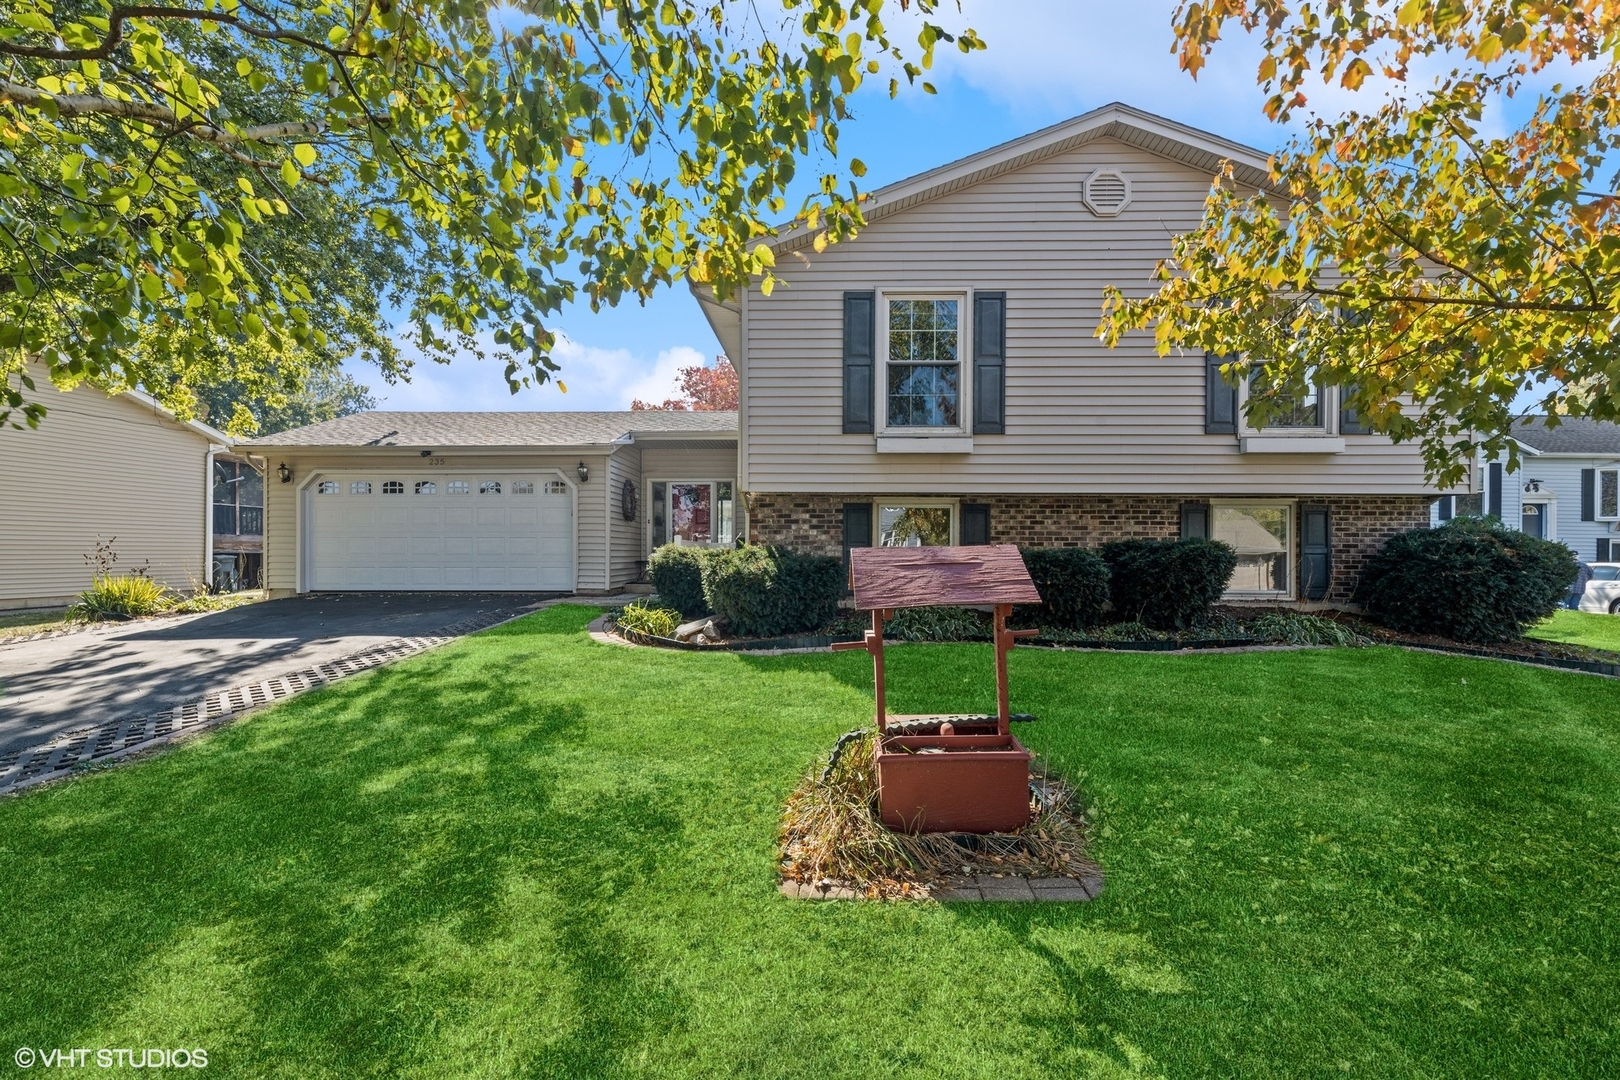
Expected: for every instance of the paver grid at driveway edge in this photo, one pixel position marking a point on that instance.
(120, 737)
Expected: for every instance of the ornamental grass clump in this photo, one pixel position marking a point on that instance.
(938, 624)
(1296, 628)
(120, 596)
(644, 618)
(1469, 580)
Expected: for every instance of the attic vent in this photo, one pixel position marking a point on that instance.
(1106, 192)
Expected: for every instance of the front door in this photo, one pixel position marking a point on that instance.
(1534, 519)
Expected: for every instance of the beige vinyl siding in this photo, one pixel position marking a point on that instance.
(627, 544)
(1080, 418)
(715, 464)
(99, 466)
(281, 501)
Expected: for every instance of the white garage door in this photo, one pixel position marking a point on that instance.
(377, 530)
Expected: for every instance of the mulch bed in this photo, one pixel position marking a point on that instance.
(831, 836)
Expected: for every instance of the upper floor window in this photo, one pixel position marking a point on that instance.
(923, 368)
(1608, 494)
(1297, 410)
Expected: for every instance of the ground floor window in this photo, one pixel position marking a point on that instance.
(692, 512)
(908, 524)
(1262, 536)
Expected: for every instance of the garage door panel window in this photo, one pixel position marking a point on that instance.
(393, 487)
(489, 487)
(360, 487)
(523, 487)
(327, 487)
(458, 487)
(426, 487)
(1262, 536)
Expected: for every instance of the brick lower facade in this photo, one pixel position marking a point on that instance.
(1359, 524)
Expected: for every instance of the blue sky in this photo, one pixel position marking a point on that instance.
(1047, 60)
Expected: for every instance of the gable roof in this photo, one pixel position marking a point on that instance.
(1573, 435)
(196, 426)
(1167, 138)
(431, 430)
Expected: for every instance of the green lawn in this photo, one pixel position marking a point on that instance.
(528, 854)
(1581, 628)
(19, 623)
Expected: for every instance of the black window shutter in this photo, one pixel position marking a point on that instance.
(1445, 504)
(1349, 419)
(1315, 552)
(1493, 495)
(1603, 549)
(1195, 520)
(1220, 399)
(857, 529)
(975, 523)
(1589, 495)
(860, 319)
(989, 363)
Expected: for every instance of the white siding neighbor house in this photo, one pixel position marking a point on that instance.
(938, 379)
(1566, 488)
(500, 501)
(119, 469)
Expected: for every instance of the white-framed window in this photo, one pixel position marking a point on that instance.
(360, 487)
(923, 383)
(556, 487)
(1262, 534)
(426, 487)
(914, 522)
(692, 512)
(327, 487)
(1303, 414)
(523, 487)
(1608, 495)
(393, 487)
(489, 487)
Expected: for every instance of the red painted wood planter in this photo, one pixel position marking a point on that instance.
(975, 779)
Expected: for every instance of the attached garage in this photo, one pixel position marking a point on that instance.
(485, 531)
(493, 501)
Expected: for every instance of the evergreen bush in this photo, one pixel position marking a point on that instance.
(1167, 584)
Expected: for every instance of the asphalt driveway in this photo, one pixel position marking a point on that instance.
(55, 685)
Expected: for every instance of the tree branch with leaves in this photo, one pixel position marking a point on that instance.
(502, 162)
(1433, 271)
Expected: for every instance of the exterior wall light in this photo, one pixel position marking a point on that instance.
(584, 472)
(284, 473)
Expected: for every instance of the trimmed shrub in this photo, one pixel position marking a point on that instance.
(938, 624)
(1167, 584)
(120, 596)
(677, 574)
(1469, 580)
(771, 591)
(1073, 584)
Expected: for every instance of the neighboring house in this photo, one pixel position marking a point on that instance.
(238, 524)
(541, 501)
(117, 468)
(1567, 486)
(938, 378)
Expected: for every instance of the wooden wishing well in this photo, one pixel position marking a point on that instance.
(946, 772)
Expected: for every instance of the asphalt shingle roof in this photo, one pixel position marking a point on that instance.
(446, 429)
(1571, 436)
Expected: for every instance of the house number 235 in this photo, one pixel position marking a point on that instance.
(435, 461)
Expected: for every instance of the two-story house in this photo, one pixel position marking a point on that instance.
(938, 379)
(1566, 486)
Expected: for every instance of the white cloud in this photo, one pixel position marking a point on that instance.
(596, 378)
